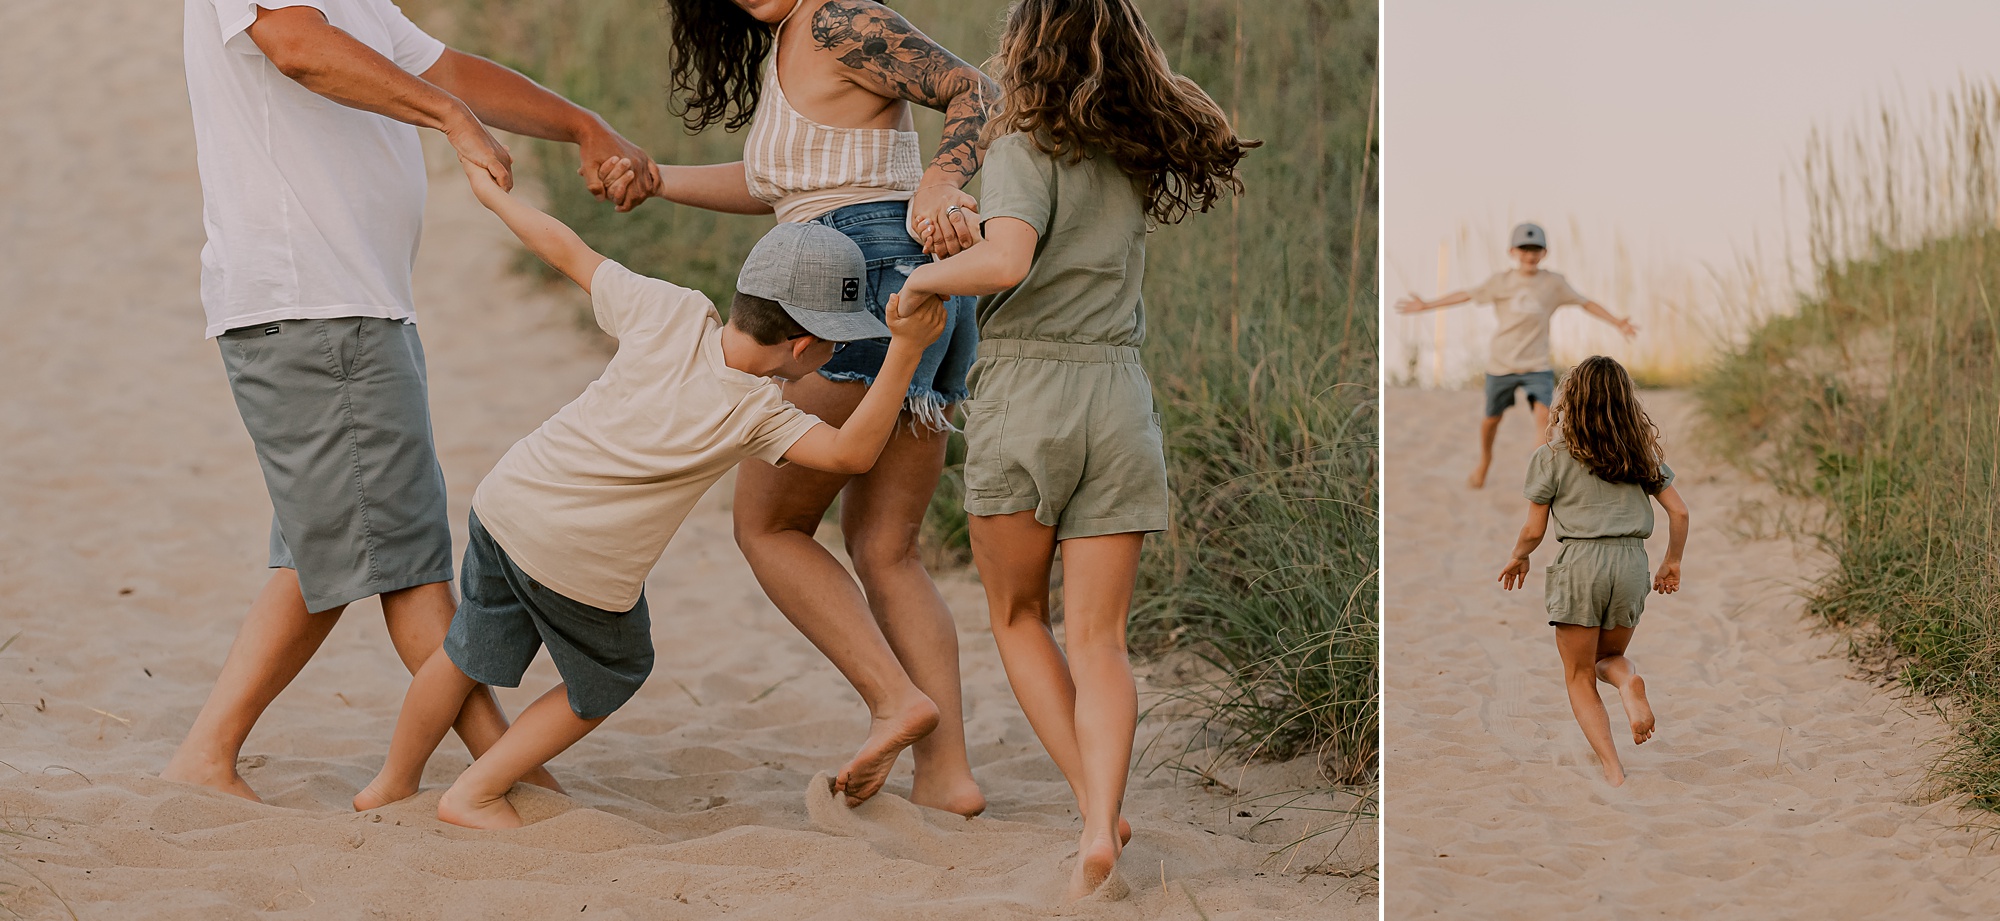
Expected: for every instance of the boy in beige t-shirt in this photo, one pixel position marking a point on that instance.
(1524, 299)
(565, 528)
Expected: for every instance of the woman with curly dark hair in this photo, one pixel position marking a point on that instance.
(1597, 480)
(825, 87)
(1096, 140)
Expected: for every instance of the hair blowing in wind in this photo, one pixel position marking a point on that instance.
(1598, 413)
(1078, 75)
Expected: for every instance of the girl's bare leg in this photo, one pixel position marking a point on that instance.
(1578, 646)
(544, 730)
(1615, 669)
(1098, 577)
(436, 697)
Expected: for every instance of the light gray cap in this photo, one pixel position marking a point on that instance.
(818, 275)
(1529, 235)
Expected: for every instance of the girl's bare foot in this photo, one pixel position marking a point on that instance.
(215, 775)
(381, 793)
(887, 737)
(1637, 709)
(958, 794)
(461, 808)
(1096, 857)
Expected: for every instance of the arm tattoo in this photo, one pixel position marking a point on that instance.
(892, 58)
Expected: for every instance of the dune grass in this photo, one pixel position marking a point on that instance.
(1262, 329)
(1879, 399)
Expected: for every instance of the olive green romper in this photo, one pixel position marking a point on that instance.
(1061, 418)
(1600, 577)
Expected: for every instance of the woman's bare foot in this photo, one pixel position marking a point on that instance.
(1637, 709)
(461, 808)
(1096, 857)
(381, 793)
(958, 794)
(215, 775)
(887, 737)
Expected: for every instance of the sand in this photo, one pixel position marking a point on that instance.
(134, 526)
(1779, 784)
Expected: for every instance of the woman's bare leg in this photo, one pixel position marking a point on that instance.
(882, 517)
(777, 510)
(544, 730)
(1578, 646)
(1615, 669)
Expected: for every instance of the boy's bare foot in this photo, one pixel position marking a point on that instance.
(959, 794)
(215, 775)
(460, 808)
(1637, 709)
(1478, 478)
(887, 737)
(380, 793)
(1096, 857)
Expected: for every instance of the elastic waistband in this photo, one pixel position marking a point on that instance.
(1057, 351)
(1607, 541)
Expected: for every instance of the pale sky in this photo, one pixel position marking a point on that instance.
(1664, 128)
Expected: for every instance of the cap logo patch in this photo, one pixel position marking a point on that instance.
(850, 289)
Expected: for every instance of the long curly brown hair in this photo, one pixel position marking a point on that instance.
(714, 62)
(1598, 413)
(1077, 75)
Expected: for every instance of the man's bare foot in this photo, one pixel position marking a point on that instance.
(887, 737)
(541, 777)
(461, 808)
(1637, 709)
(1096, 857)
(958, 794)
(215, 775)
(1478, 478)
(381, 793)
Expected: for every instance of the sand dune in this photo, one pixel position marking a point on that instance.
(132, 538)
(1777, 786)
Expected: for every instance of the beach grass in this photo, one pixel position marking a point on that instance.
(1878, 400)
(1261, 331)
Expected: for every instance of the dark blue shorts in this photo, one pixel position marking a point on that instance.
(877, 227)
(1540, 385)
(505, 615)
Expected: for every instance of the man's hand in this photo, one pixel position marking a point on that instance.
(1668, 580)
(1515, 575)
(920, 324)
(606, 157)
(476, 146)
(937, 211)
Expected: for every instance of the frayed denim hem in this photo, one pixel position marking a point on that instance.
(925, 405)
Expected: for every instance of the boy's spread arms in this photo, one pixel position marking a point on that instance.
(1668, 580)
(1411, 303)
(853, 447)
(546, 237)
(1516, 573)
(1623, 325)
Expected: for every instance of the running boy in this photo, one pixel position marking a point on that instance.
(1523, 298)
(569, 522)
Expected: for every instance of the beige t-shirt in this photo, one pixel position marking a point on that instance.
(1523, 304)
(586, 503)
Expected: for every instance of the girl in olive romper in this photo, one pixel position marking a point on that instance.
(1595, 482)
(1095, 143)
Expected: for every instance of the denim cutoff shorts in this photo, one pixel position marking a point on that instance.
(878, 228)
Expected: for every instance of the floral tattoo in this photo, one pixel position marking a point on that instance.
(896, 60)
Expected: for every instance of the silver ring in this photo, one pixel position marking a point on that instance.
(953, 209)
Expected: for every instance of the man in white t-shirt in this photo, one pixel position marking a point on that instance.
(1524, 299)
(306, 115)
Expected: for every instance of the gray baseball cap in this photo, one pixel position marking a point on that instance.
(818, 275)
(1529, 235)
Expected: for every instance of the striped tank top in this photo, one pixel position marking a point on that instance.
(804, 169)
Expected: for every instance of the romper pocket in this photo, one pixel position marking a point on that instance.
(985, 465)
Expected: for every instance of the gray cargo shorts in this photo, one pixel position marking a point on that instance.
(340, 416)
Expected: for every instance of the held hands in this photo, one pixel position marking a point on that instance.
(616, 170)
(476, 147)
(484, 186)
(1515, 575)
(946, 219)
(1668, 580)
(920, 323)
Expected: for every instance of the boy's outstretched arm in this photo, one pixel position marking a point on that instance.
(1623, 325)
(1516, 573)
(1411, 303)
(546, 237)
(1668, 580)
(852, 448)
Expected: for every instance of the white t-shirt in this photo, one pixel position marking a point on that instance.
(312, 208)
(1523, 304)
(586, 503)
